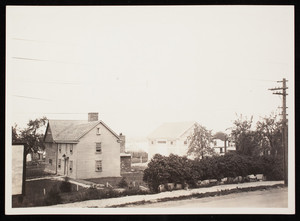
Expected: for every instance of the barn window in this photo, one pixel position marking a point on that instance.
(71, 166)
(98, 167)
(98, 148)
(59, 163)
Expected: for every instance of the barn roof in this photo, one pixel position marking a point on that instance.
(171, 130)
(72, 130)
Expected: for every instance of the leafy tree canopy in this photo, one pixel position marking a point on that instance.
(32, 135)
(246, 140)
(200, 142)
(220, 135)
(269, 130)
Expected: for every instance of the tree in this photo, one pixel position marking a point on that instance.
(15, 135)
(200, 142)
(269, 130)
(220, 135)
(246, 139)
(32, 136)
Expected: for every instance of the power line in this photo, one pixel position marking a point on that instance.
(31, 40)
(44, 60)
(46, 113)
(49, 82)
(34, 98)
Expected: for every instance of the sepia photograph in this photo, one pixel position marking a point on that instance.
(150, 109)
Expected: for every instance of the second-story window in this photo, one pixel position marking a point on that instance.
(59, 148)
(71, 148)
(98, 148)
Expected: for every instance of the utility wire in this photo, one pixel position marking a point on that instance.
(34, 98)
(43, 60)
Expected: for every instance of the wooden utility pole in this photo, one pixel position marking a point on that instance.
(284, 126)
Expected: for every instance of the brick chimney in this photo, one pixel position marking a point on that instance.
(122, 143)
(92, 117)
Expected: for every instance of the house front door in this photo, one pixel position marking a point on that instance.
(66, 162)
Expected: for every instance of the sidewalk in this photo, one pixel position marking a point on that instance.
(82, 183)
(115, 202)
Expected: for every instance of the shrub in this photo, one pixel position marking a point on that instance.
(175, 169)
(65, 186)
(53, 196)
(123, 183)
(272, 167)
(156, 173)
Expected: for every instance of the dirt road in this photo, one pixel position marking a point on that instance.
(272, 198)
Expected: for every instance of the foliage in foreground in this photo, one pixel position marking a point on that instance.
(175, 169)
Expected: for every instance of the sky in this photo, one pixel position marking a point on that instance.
(141, 66)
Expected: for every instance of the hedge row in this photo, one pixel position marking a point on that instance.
(175, 169)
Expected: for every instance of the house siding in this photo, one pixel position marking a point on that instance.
(51, 154)
(87, 156)
(65, 165)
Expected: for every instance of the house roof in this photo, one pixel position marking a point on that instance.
(171, 130)
(73, 130)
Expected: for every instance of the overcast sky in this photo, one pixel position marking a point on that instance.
(142, 66)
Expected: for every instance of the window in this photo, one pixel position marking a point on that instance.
(171, 142)
(50, 161)
(98, 167)
(152, 142)
(59, 163)
(98, 148)
(66, 148)
(221, 150)
(59, 148)
(98, 130)
(71, 148)
(71, 166)
(162, 141)
(185, 142)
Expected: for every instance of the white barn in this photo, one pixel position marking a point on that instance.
(170, 138)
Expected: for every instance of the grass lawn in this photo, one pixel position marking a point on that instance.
(36, 170)
(34, 192)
